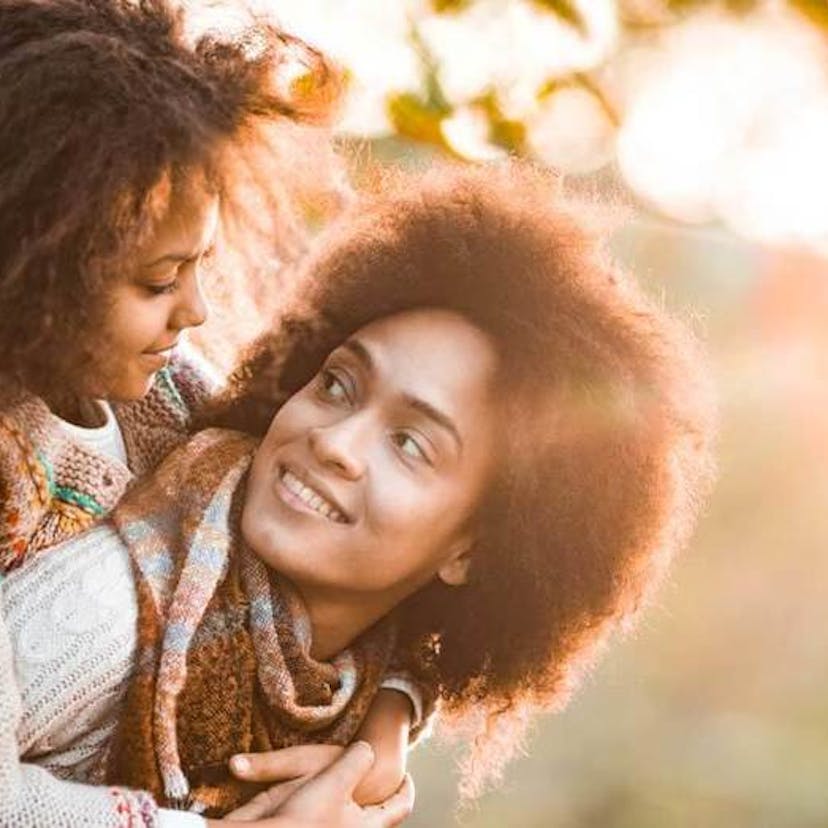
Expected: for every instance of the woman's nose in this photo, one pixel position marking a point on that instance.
(340, 447)
(192, 310)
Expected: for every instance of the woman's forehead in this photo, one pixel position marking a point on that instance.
(435, 355)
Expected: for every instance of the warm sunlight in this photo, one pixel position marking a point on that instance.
(729, 119)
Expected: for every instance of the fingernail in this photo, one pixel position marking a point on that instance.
(240, 764)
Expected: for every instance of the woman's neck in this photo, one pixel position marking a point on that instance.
(336, 620)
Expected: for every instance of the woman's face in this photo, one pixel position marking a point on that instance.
(155, 300)
(368, 479)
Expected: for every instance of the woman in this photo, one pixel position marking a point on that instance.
(483, 434)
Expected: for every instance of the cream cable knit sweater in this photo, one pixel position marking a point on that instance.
(67, 646)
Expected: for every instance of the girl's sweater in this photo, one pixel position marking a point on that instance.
(54, 485)
(67, 648)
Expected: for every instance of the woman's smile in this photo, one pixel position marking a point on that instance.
(299, 492)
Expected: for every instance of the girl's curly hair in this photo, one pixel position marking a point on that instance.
(606, 448)
(106, 106)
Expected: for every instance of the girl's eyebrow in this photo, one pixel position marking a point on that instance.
(440, 418)
(173, 257)
(179, 258)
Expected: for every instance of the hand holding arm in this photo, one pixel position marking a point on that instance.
(386, 728)
(327, 800)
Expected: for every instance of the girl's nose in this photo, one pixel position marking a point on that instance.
(192, 310)
(338, 446)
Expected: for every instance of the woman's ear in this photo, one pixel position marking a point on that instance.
(455, 571)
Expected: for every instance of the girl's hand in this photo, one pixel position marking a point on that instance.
(385, 728)
(289, 768)
(326, 801)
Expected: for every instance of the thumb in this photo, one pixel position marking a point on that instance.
(343, 776)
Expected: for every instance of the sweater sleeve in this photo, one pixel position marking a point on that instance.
(403, 676)
(30, 797)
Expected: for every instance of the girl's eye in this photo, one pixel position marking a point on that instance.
(410, 446)
(333, 386)
(161, 290)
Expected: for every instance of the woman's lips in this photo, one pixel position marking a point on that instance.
(303, 496)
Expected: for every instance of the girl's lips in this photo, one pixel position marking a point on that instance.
(157, 359)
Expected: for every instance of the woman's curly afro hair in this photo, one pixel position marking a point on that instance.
(606, 449)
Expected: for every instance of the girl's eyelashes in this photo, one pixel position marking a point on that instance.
(170, 286)
(161, 290)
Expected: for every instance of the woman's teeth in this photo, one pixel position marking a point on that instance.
(310, 497)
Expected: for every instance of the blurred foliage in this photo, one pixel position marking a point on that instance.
(420, 115)
(567, 11)
(815, 10)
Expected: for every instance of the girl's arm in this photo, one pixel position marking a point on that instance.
(30, 795)
(386, 728)
(327, 800)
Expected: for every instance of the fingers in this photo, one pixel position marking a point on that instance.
(264, 804)
(342, 777)
(281, 765)
(396, 808)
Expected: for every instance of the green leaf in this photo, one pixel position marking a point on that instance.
(503, 132)
(815, 10)
(450, 6)
(735, 6)
(414, 118)
(566, 10)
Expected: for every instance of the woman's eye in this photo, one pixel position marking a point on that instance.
(410, 446)
(333, 386)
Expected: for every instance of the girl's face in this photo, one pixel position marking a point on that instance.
(158, 298)
(367, 482)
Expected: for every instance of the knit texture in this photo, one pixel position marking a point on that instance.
(53, 487)
(30, 796)
(224, 661)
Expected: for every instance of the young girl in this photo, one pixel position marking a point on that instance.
(486, 445)
(126, 151)
(120, 144)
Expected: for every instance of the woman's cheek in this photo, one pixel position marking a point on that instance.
(399, 504)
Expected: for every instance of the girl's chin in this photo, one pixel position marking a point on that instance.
(131, 389)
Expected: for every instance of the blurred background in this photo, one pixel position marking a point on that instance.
(708, 122)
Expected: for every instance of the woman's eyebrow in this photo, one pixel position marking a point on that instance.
(436, 416)
(440, 418)
(357, 349)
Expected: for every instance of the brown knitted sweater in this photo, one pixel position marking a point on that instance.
(52, 487)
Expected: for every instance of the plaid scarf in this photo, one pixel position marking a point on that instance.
(223, 661)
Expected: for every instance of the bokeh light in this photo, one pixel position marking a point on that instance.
(728, 120)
